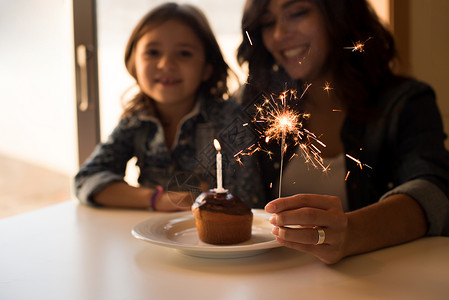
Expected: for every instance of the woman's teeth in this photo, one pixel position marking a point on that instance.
(294, 52)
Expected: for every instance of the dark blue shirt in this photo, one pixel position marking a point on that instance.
(402, 142)
(190, 162)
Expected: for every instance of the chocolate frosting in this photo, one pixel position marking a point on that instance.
(225, 203)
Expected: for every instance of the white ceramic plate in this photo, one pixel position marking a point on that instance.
(178, 230)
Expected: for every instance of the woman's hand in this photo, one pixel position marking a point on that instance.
(298, 218)
(174, 201)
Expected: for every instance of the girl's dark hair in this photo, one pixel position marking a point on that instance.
(356, 75)
(215, 87)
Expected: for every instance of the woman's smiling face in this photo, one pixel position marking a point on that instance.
(295, 34)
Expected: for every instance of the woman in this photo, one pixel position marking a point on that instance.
(383, 133)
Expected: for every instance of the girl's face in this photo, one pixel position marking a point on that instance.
(171, 64)
(294, 32)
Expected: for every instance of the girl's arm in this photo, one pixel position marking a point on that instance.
(107, 164)
(120, 194)
(100, 180)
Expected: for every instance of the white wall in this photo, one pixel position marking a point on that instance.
(382, 7)
(428, 45)
(37, 120)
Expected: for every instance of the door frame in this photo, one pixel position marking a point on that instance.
(400, 23)
(86, 74)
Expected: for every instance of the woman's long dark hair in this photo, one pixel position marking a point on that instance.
(215, 87)
(357, 75)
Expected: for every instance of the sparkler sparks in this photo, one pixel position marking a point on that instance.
(249, 38)
(359, 46)
(327, 87)
(282, 122)
(358, 162)
(281, 119)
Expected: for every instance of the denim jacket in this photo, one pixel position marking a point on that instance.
(191, 161)
(404, 149)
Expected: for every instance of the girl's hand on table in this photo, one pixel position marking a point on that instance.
(299, 219)
(174, 201)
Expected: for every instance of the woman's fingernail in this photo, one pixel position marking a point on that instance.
(270, 208)
(275, 230)
(273, 219)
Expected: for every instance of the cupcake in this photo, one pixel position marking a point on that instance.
(222, 218)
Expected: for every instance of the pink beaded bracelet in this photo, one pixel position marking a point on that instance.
(156, 195)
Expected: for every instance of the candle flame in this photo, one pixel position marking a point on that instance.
(217, 145)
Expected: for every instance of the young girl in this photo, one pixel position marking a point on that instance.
(171, 123)
(396, 189)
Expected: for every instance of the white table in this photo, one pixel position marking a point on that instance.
(71, 251)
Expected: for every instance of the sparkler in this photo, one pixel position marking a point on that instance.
(281, 119)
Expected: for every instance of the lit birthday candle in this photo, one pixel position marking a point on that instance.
(219, 188)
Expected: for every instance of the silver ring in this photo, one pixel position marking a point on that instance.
(321, 235)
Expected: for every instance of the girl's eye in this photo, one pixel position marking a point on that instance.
(185, 53)
(152, 52)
